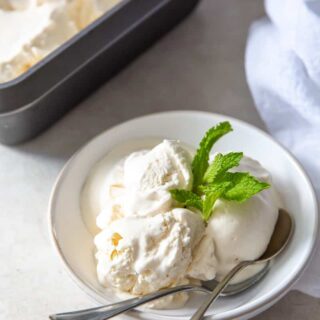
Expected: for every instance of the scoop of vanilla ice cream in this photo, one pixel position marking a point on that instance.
(140, 255)
(139, 185)
(149, 176)
(242, 231)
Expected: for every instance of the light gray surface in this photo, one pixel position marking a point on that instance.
(197, 66)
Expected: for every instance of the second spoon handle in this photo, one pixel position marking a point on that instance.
(109, 311)
(218, 289)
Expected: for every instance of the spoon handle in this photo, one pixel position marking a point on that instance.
(111, 310)
(210, 298)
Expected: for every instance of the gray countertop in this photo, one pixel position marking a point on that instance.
(197, 66)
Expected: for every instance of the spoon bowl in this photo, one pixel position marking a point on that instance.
(282, 234)
(237, 287)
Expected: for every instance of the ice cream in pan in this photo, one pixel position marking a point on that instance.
(31, 29)
(170, 217)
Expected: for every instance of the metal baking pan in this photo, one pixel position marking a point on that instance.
(36, 99)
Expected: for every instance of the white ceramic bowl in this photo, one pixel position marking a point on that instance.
(74, 243)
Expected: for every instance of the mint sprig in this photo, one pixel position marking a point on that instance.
(214, 181)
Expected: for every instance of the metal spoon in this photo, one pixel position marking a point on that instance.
(111, 310)
(280, 238)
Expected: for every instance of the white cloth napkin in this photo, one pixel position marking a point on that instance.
(283, 71)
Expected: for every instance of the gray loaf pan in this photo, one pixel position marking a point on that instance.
(36, 99)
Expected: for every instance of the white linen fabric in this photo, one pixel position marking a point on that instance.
(283, 71)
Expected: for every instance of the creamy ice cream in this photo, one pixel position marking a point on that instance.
(31, 29)
(144, 254)
(241, 231)
(147, 242)
(140, 184)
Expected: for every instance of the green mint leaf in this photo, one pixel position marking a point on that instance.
(200, 162)
(212, 193)
(187, 198)
(213, 181)
(218, 187)
(221, 164)
(244, 186)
